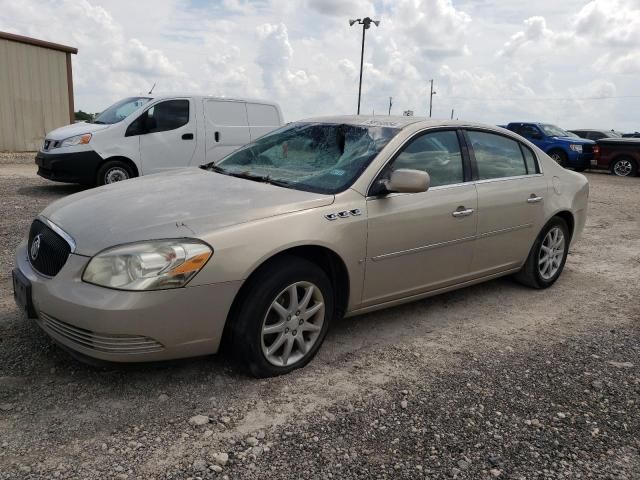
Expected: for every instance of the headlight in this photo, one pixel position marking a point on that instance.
(152, 265)
(576, 148)
(77, 140)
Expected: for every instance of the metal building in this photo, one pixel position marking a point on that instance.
(36, 90)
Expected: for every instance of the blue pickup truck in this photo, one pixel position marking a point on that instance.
(567, 149)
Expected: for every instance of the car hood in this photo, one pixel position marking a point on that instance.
(188, 202)
(75, 129)
(578, 141)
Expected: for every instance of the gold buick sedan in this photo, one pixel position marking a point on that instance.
(321, 219)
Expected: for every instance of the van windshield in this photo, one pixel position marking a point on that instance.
(317, 157)
(121, 110)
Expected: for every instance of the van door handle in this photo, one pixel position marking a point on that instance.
(534, 199)
(462, 212)
(216, 136)
(187, 136)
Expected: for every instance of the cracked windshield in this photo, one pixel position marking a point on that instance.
(322, 158)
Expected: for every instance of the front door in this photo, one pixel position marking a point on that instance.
(511, 196)
(170, 138)
(422, 241)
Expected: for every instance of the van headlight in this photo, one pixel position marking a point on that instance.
(77, 140)
(576, 148)
(151, 265)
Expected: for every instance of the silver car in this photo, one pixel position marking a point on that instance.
(320, 219)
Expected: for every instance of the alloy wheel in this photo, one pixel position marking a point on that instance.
(551, 253)
(293, 323)
(623, 168)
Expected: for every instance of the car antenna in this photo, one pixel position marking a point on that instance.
(154, 86)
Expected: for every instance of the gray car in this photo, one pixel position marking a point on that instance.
(317, 220)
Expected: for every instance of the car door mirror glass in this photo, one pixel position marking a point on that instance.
(405, 180)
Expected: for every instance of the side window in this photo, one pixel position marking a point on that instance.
(167, 115)
(436, 153)
(529, 131)
(530, 160)
(496, 156)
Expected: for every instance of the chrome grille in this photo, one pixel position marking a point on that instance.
(100, 342)
(51, 252)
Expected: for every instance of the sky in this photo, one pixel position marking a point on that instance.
(574, 63)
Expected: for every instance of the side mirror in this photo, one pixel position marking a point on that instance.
(405, 180)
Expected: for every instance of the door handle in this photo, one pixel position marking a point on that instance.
(216, 136)
(187, 136)
(462, 212)
(534, 199)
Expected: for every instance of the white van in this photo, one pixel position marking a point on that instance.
(150, 134)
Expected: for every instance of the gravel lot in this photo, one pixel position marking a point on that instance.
(493, 381)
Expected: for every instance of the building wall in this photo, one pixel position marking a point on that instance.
(34, 94)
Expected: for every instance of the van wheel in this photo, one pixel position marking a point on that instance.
(283, 317)
(113, 171)
(547, 256)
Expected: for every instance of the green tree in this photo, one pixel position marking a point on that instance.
(83, 116)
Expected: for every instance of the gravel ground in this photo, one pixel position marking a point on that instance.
(493, 381)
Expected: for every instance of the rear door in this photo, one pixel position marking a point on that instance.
(262, 119)
(422, 241)
(511, 196)
(226, 127)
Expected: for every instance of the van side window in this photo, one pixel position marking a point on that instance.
(167, 115)
(496, 156)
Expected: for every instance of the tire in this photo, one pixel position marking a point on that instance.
(580, 169)
(113, 171)
(559, 157)
(256, 311)
(624, 167)
(536, 273)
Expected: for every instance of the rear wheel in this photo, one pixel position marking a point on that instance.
(547, 256)
(559, 157)
(113, 171)
(624, 167)
(283, 317)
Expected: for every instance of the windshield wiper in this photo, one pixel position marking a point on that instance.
(214, 168)
(98, 122)
(259, 178)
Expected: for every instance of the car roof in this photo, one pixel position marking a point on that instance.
(159, 96)
(394, 121)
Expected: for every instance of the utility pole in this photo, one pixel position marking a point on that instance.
(390, 104)
(366, 24)
(452, 114)
(431, 99)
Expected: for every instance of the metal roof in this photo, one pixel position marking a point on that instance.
(38, 43)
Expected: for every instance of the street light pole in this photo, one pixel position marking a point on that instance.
(390, 104)
(431, 98)
(366, 24)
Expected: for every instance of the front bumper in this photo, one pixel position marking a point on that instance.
(76, 167)
(580, 160)
(120, 326)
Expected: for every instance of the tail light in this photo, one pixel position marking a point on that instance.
(596, 150)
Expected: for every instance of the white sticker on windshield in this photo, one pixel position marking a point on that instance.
(337, 172)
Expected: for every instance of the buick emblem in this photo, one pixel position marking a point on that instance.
(35, 248)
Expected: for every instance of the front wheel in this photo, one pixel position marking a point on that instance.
(283, 317)
(624, 167)
(113, 171)
(547, 256)
(559, 157)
